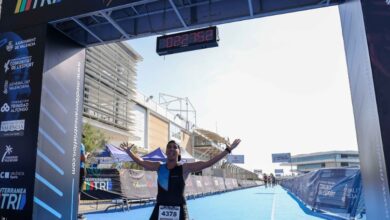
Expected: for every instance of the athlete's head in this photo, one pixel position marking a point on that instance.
(173, 151)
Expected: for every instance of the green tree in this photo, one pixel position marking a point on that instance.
(94, 138)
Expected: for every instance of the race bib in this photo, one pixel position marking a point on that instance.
(169, 212)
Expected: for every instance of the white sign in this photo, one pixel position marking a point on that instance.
(258, 171)
(14, 125)
(280, 158)
(279, 171)
(235, 158)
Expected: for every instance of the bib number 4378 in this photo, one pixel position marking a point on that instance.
(169, 213)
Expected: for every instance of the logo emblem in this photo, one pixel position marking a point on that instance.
(5, 91)
(8, 151)
(10, 46)
(5, 108)
(32, 5)
(6, 66)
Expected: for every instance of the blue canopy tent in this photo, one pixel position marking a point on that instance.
(103, 153)
(156, 155)
(117, 154)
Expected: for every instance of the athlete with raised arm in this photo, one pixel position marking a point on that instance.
(171, 202)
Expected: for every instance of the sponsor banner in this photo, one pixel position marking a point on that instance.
(208, 185)
(101, 184)
(190, 187)
(23, 13)
(134, 184)
(13, 199)
(198, 184)
(280, 158)
(229, 183)
(13, 175)
(151, 182)
(235, 159)
(21, 67)
(376, 157)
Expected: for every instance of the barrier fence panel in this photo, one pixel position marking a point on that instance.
(334, 191)
(198, 184)
(208, 184)
(229, 183)
(151, 182)
(113, 184)
(219, 184)
(235, 183)
(134, 184)
(190, 186)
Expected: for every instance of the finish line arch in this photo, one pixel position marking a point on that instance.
(41, 97)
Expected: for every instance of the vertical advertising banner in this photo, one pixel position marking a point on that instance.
(376, 14)
(21, 66)
(366, 33)
(57, 177)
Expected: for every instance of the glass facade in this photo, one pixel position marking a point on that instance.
(110, 77)
(328, 157)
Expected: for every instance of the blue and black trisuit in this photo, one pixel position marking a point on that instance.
(171, 185)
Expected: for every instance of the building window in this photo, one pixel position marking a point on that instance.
(344, 164)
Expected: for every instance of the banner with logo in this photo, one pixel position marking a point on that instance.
(134, 184)
(21, 67)
(336, 191)
(25, 13)
(102, 184)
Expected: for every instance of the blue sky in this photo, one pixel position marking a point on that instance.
(279, 83)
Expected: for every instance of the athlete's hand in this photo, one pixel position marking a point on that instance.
(234, 144)
(125, 146)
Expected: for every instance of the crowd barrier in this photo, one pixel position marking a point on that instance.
(335, 192)
(137, 185)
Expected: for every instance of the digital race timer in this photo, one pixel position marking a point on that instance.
(186, 41)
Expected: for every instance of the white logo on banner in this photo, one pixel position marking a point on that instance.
(10, 46)
(6, 66)
(13, 198)
(5, 91)
(19, 63)
(25, 43)
(7, 158)
(14, 125)
(4, 175)
(5, 108)
(11, 175)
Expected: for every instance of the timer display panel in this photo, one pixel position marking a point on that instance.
(187, 41)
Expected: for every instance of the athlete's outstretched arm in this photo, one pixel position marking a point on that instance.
(198, 166)
(148, 165)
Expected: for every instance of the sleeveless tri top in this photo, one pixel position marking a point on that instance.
(171, 186)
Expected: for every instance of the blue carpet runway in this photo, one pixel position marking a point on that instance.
(257, 203)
